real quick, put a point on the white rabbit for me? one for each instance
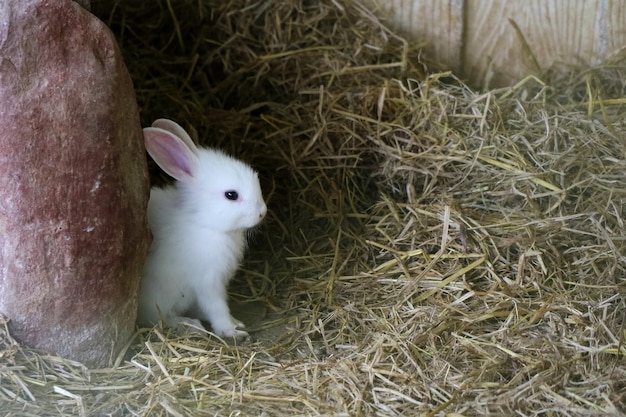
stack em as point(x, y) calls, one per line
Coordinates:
point(199, 227)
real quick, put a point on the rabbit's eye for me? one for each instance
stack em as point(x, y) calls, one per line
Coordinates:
point(231, 195)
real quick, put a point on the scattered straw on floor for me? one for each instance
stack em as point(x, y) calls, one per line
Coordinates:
point(431, 249)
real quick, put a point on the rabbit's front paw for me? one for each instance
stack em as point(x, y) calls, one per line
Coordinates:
point(187, 326)
point(230, 328)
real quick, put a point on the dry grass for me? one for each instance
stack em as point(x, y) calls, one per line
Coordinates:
point(431, 249)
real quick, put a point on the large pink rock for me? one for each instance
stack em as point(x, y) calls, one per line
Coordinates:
point(73, 182)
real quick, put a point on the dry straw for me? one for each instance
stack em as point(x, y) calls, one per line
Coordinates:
point(431, 249)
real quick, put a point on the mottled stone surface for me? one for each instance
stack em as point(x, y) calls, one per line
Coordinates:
point(73, 182)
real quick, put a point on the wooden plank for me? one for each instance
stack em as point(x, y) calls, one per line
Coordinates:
point(610, 29)
point(439, 23)
point(498, 42)
point(508, 40)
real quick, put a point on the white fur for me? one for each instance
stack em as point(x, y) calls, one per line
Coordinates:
point(198, 234)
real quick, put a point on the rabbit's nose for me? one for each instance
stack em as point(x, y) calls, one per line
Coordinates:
point(263, 212)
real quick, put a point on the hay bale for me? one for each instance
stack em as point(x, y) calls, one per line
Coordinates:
point(429, 248)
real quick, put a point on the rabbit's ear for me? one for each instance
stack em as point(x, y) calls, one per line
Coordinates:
point(177, 130)
point(170, 152)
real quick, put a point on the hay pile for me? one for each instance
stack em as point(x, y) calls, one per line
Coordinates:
point(430, 249)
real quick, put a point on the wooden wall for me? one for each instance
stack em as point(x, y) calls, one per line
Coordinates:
point(498, 42)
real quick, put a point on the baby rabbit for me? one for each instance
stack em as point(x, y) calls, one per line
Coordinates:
point(199, 230)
